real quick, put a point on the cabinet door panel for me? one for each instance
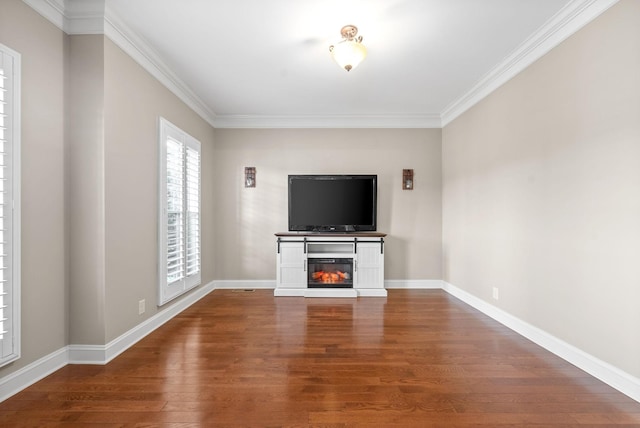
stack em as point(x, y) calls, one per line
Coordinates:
point(368, 277)
point(370, 266)
point(291, 254)
point(292, 265)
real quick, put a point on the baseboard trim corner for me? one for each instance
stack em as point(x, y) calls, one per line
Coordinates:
point(102, 354)
point(32, 373)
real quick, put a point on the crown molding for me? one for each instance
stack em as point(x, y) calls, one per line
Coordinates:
point(76, 17)
point(572, 17)
point(94, 17)
point(72, 16)
point(52, 10)
point(118, 32)
point(327, 121)
point(84, 17)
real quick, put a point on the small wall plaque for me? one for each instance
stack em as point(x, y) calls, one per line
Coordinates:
point(249, 176)
point(407, 179)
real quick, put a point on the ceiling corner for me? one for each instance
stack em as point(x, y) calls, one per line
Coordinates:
point(571, 18)
point(84, 16)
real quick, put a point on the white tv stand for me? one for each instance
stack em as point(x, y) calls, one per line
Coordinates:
point(364, 250)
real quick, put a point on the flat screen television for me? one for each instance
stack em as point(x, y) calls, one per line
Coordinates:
point(333, 203)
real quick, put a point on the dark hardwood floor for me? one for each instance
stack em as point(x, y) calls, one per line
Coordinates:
point(418, 358)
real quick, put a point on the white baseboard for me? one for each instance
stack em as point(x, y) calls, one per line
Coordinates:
point(102, 354)
point(612, 376)
point(429, 284)
point(30, 374)
point(248, 284)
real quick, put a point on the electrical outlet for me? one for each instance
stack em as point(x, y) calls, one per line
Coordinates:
point(496, 293)
point(141, 307)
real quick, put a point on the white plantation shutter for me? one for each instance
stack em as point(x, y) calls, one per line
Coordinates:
point(9, 206)
point(192, 187)
point(175, 197)
point(179, 212)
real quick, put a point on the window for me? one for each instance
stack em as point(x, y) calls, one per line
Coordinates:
point(9, 205)
point(179, 256)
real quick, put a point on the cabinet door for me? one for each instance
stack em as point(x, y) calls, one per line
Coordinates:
point(369, 268)
point(292, 265)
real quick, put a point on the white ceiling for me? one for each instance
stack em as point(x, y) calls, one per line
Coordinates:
point(266, 63)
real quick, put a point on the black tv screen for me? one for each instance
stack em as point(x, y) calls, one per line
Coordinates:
point(333, 203)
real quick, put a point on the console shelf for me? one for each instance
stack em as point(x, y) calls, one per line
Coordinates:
point(361, 253)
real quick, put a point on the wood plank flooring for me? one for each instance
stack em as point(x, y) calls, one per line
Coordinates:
point(418, 358)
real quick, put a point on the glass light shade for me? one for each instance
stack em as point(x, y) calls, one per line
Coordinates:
point(348, 54)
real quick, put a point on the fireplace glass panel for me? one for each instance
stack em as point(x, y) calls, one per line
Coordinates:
point(330, 273)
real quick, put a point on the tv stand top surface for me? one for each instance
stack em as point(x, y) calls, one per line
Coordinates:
point(334, 234)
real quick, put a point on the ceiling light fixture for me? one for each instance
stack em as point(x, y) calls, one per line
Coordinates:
point(350, 51)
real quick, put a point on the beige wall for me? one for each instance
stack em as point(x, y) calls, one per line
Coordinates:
point(134, 101)
point(246, 219)
point(541, 196)
point(44, 308)
point(84, 169)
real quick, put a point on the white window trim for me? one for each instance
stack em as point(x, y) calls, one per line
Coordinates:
point(169, 291)
point(15, 136)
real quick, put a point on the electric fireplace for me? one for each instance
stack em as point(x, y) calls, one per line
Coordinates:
point(330, 273)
